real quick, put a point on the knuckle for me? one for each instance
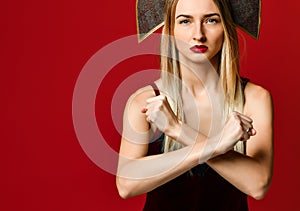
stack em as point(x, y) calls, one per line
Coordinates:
point(236, 117)
point(240, 129)
point(160, 104)
point(153, 116)
point(154, 111)
point(161, 98)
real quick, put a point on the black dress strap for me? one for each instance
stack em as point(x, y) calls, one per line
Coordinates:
point(155, 88)
point(244, 82)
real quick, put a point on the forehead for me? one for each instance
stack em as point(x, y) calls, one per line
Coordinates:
point(196, 7)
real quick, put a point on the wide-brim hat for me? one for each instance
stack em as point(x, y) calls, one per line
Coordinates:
point(246, 15)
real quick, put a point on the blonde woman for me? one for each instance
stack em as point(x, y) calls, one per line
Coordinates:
point(201, 137)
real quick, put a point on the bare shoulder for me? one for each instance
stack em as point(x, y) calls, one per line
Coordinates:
point(139, 97)
point(256, 97)
point(135, 126)
point(135, 104)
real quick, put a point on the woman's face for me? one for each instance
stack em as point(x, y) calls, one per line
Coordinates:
point(198, 30)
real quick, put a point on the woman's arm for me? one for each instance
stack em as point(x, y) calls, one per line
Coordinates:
point(139, 173)
point(252, 174)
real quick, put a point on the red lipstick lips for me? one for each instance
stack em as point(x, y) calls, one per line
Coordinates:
point(199, 48)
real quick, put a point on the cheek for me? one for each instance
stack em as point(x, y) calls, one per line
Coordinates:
point(180, 45)
point(180, 34)
point(219, 39)
point(181, 39)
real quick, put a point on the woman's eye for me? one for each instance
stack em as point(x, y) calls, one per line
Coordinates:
point(184, 22)
point(212, 21)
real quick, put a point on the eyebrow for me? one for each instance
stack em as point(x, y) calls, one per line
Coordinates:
point(205, 16)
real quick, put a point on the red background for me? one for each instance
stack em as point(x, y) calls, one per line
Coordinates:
point(45, 44)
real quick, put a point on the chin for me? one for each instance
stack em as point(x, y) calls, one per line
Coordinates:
point(200, 58)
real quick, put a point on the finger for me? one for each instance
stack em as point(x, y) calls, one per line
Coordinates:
point(148, 112)
point(247, 121)
point(154, 99)
point(148, 108)
point(144, 110)
point(246, 136)
point(249, 130)
point(148, 119)
point(246, 125)
point(244, 117)
point(252, 132)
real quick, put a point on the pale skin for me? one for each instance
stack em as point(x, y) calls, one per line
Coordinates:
point(197, 23)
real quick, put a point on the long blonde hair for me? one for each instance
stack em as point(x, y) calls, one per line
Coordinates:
point(228, 67)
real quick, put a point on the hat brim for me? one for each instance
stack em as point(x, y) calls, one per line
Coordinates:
point(246, 15)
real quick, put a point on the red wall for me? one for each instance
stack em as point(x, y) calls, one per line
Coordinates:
point(43, 47)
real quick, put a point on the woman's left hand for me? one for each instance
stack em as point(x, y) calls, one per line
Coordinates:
point(158, 111)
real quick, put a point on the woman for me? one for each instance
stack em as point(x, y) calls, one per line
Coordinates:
point(215, 141)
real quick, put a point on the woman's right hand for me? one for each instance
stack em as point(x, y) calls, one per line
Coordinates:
point(238, 127)
point(158, 111)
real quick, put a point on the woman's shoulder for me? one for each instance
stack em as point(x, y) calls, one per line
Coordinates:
point(256, 92)
point(140, 96)
point(256, 97)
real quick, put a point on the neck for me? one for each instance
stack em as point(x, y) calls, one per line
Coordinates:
point(199, 76)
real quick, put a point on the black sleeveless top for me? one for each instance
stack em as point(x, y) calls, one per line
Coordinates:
point(201, 190)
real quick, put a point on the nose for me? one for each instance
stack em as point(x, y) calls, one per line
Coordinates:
point(199, 34)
